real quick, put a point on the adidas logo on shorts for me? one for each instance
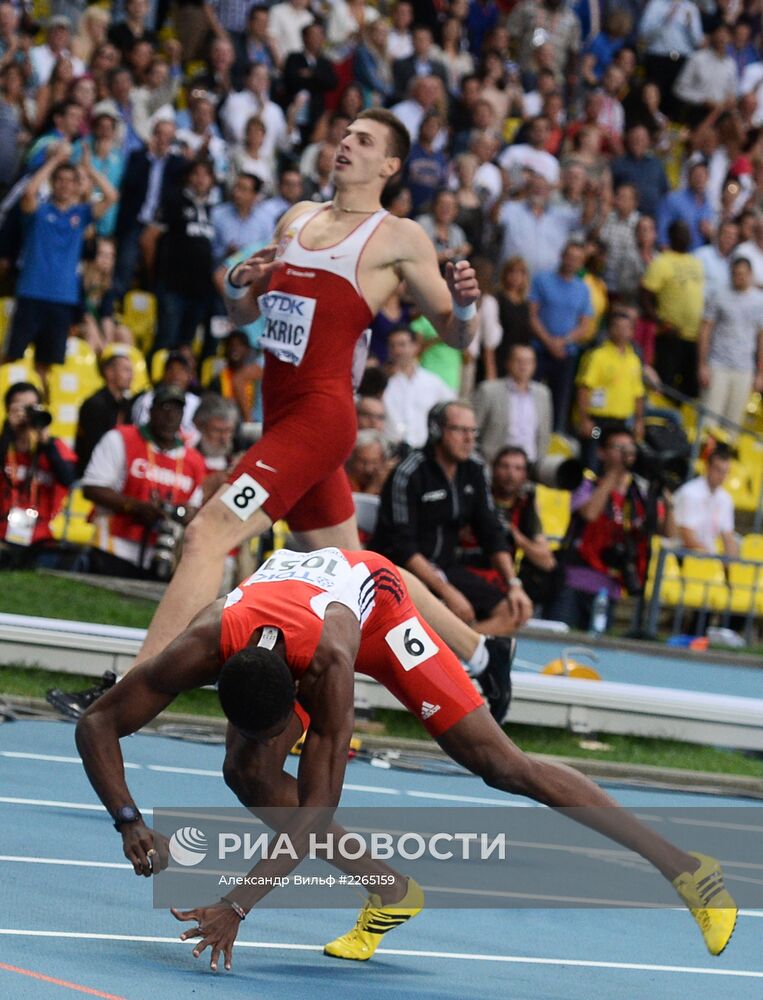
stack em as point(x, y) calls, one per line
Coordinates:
point(428, 710)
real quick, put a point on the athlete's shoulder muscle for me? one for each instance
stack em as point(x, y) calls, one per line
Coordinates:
point(297, 210)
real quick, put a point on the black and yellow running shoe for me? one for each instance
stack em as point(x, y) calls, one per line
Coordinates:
point(373, 922)
point(710, 902)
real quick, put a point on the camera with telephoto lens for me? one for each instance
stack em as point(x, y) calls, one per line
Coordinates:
point(169, 542)
point(38, 417)
point(622, 556)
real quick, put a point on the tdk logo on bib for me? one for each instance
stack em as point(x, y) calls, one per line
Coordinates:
point(288, 322)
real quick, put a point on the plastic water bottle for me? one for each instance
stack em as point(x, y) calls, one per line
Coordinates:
point(599, 613)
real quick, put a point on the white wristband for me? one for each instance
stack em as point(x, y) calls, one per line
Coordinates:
point(234, 291)
point(464, 313)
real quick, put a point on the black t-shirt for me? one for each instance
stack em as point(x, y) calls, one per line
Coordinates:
point(185, 253)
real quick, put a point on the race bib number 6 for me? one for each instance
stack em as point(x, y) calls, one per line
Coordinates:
point(410, 643)
point(244, 496)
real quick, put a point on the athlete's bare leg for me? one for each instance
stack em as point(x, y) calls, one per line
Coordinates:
point(254, 773)
point(480, 745)
point(196, 582)
point(343, 536)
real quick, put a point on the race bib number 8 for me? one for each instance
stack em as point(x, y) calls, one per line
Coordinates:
point(410, 643)
point(244, 496)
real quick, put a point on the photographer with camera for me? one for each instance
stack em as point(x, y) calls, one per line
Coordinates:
point(37, 471)
point(607, 544)
point(147, 484)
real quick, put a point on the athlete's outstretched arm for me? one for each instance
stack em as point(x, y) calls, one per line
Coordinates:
point(248, 279)
point(438, 298)
point(189, 662)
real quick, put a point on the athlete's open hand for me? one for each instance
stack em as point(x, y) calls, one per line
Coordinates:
point(462, 282)
point(255, 271)
point(217, 926)
point(147, 851)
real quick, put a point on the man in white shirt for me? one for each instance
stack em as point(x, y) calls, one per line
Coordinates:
point(709, 76)
point(411, 392)
point(532, 155)
point(57, 46)
point(704, 511)
point(285, 24)
point(425, 93)
point(752, 250)
point(399, 42)
point(715, 258)
point(254, 101)
point(752, 83)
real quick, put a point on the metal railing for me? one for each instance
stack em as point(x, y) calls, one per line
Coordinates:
point(716, 595)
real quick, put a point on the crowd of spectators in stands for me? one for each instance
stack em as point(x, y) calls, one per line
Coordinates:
point(600, 162)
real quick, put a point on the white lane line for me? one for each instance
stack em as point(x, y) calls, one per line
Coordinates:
point(53, 758)
point(471, 798)
point(371, 788)
point(65, 862)
point(50, 803)
point(200, 772)
point(406, 953)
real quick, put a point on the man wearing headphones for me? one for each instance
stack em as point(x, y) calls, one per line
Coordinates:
point(427, 501)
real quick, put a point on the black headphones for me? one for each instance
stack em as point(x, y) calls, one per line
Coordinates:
point(436, 422)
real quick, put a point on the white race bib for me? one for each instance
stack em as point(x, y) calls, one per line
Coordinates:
point(288, 323)
point(325, 568)
point(328, 570)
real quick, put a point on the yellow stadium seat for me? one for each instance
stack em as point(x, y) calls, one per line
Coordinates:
point(750, 451)
point(553, 510)
point(140, 380)
point(739, 484)
point(704, 584)
point(745, 589)
point(510, 128)
point(69, 385)
point(72, 524)
point(7, 305)
point(561, 445)
point(670, 588)
point(139, 316)
point(158, 363)
point(210, 367)
point(751, 547)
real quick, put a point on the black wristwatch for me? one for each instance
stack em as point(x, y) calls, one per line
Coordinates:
point(126, 814)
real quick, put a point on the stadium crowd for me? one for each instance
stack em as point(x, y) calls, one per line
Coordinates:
point(600, 163)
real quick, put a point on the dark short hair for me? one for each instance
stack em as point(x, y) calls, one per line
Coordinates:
point(511, 449)
point(401, 329)
point(256, 181)
point(63, 168)
point(177, 357)
point(256, 689)
point(399, 144)
point(614, 429)
point(741, 260)
point(16, 389)
point(722, 453)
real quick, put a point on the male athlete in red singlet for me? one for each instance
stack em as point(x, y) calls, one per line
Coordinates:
point(297, 630)
point(328, 272)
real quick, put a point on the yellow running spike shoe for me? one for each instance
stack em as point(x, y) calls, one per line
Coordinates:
point(711, 905)
point(373, 922)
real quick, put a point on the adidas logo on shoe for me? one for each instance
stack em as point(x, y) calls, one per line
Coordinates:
point(428, 710)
